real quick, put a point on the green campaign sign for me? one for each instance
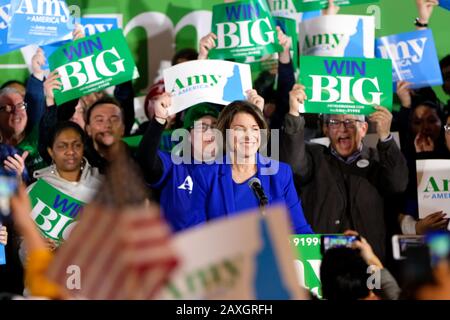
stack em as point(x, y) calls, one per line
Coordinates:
point(345, 85)
point(311, 5)
point(243, 29)
point(92, 64)
point(54, 212)
point(308, 259)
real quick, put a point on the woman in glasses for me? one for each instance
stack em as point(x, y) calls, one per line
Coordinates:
point(245, 180)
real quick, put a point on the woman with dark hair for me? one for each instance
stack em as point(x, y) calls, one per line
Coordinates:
point(422, 135)
point(223, 188)
point(70, 173)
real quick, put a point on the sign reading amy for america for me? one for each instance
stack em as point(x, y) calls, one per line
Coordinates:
point(39, 22)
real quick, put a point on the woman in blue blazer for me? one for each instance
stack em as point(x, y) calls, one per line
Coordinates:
point(223, 190)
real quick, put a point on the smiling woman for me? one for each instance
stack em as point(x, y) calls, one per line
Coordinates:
point(226, 189)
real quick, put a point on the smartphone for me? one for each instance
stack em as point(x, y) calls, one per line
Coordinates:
point(439, 244)
point(8, 187)
point(401, 243)
point(336, 241)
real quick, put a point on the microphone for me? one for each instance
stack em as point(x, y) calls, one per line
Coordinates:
point(255, 185)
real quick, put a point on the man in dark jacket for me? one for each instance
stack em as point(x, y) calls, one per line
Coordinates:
point(343, 187)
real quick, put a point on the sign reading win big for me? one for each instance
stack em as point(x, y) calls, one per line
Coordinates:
point(345, 85)
point(92, 64)
point(243, 29)
point(54, 212)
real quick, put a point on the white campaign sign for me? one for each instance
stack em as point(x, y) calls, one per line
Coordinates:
point(433, 186)
point(338, 36)
point(219, 260)
point(214, 81)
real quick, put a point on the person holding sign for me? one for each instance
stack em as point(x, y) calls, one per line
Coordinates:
point(245, 179)
point(344, 186)
point(70, 176)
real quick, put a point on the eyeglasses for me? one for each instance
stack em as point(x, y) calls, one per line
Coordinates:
point(447, 128)
point(203, 127)
point(348, 123)
point(10, 109)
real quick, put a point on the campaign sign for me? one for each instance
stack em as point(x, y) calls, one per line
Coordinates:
point(308, 259)
point(243, 257)
point(286, 9)
point(5, 17)
point(214, 81)
point(54, 212)
point(414, 58)
point(345, 85)
point(243, 29)
point(92, 64)
point(2, 254)
point(309, 5)
point(433, 187)
point(91, 26)
point(444, 4)
point(39, 22)
point(338, 36)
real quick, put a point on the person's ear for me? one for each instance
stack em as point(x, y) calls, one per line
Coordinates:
point(325, 129)
point(364, 127)
point(50, 152)
point(88, 130)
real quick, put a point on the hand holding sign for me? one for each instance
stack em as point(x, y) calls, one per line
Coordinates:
point(296, 98)
point(207, 43)
point(50, 84)
point(37, 62)
point(383, 118)
point(425, 9)
point(331, 9)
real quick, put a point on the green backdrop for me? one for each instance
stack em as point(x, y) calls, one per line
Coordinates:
point(163, 16)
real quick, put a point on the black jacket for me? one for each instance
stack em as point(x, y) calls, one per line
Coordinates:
point(337, 196)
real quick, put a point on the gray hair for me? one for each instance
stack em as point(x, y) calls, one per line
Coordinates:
point(326, 117)
point(8, 90)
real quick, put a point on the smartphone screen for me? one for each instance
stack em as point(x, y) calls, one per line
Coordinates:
point(337, 241)
point(439, 245)
point(402, 243)
point(8, 187)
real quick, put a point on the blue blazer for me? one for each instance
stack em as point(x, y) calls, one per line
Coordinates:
point(213, 195)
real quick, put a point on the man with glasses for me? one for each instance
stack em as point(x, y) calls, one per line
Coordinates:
point(343, 186)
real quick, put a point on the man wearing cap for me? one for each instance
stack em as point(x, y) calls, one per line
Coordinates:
point(173, 179)
point(345, 185)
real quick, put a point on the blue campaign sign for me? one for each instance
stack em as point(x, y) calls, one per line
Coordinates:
point(414, 57)
point(39, 22)
point(2, 254)
point(5, 8)
point(91, 25)
point(444, 4)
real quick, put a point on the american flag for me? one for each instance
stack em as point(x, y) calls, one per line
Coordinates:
point(121, 246)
